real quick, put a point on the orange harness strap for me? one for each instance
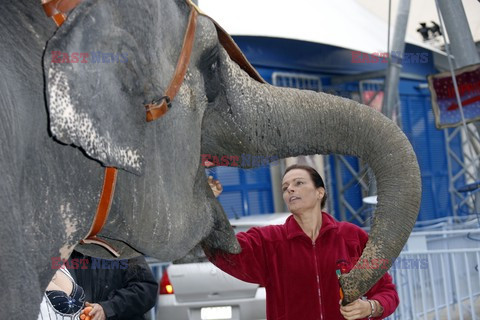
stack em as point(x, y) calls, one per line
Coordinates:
point(57, 9)
point(103, 210)
point(156, 109)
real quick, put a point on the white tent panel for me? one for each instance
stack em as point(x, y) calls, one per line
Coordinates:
point(343, 23)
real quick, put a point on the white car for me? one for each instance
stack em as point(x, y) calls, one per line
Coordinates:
point(201, 291)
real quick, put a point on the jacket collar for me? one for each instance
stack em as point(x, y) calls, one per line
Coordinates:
point(294, 229)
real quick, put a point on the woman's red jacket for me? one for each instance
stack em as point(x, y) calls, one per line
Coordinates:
point(299, 275)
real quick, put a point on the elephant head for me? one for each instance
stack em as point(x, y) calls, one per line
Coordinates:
point(163, 206)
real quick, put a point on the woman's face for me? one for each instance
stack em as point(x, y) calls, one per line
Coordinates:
point(299, 192)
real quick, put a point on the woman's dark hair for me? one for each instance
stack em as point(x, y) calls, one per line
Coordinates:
point(314, 175)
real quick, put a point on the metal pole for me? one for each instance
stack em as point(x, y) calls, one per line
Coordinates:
point(395, 59)
point(459, 34)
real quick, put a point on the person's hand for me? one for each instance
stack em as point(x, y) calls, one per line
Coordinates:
point(215, 185)
point(357, 309)
point(96, 313)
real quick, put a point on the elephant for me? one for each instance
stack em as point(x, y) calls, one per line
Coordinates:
point(65, 120)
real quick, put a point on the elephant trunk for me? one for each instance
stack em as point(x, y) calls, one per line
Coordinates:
point(270, 121)
point(316, 123)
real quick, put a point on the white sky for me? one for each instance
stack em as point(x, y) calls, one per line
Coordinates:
point(354, 24)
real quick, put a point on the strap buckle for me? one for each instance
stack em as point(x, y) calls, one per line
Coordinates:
point(159, 101)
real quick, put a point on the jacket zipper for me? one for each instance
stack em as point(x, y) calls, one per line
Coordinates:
point(318, 281)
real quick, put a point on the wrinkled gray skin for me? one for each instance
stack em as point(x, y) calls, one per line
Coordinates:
point(62, 122)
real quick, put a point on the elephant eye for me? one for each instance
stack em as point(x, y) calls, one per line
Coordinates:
point(210, 73)
point(213, 67)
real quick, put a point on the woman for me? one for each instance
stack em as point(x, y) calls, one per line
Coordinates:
point(297, 261)
point(63, 298)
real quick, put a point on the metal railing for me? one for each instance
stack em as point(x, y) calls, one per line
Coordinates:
point(438, 284)
point(442, 280)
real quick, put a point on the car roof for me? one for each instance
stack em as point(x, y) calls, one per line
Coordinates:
point(259, 220)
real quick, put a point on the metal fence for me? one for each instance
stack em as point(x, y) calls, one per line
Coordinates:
point(438, 284)
point(437, 275)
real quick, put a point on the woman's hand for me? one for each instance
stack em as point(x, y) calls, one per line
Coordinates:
point(93, 311)
point(357, 309)
point(215, 185)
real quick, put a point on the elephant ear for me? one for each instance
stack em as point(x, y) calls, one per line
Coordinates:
point(92, 69)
